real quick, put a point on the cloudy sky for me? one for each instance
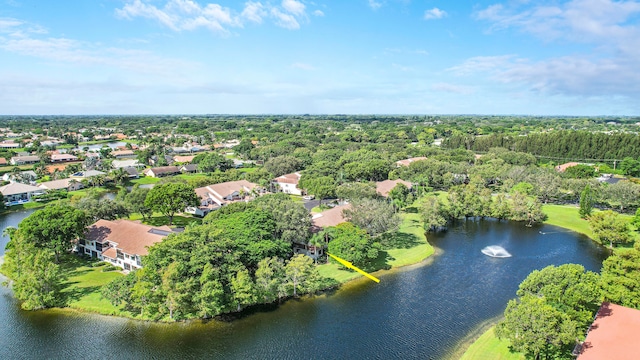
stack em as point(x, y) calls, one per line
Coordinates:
point(555, 57)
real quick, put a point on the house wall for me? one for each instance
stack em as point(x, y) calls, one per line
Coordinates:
point(127, 262)
point(289, 188)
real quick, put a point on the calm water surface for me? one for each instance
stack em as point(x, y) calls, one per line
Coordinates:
point(417, 312)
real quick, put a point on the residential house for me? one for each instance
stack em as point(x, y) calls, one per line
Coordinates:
point(23, 160)
point(9, 145)
point(63, 158)
point(384, 187)
point(184, 159)
point(123, 154)
point(407, 162)
point(215, 196)
point(189, 168)
point(86, 174)
point(3, 161)
point(612, 335)
point(132, 172)
point(121, 242)
point(162, 171)
point(564, 167)
point(17, 193)
point(331, 217)
point(288, 183)
point(62, 184)
point(121, 164)
point(24, 177)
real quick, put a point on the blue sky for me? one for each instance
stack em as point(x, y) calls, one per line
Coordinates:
point(578, 57)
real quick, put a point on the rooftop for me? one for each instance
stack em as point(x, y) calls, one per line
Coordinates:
point(613, 334)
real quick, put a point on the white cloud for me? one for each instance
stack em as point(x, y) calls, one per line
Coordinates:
point(608, 66)
point(434, 13)
point(254, 11)
point(86, 54)
point(375, 5)
point(401, 67)
point(179, 15)
point(294, 7)
point(303, 66)
point(285, 20)
point(480, 64)
point(452, 88)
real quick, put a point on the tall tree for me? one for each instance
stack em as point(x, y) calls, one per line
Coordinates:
point(586, 202)
point(135, 201)
point(433, 213)
point(243, 289)
point(609, 227)
point(171, 198)
point(301, 274)
point(374, 216)
point(354, 245)
point(210, 298)
point(55, 227)
point(283, 164)
point(621, 276)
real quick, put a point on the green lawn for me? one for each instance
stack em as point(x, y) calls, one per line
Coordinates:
point(488, 346)
point(82, 291)
point(405, 247)
point(145, 180)
point(567, 216)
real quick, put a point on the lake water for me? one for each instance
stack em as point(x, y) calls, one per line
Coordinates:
point(415, 312)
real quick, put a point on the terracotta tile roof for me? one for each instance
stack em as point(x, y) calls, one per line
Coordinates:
point(384, 187)
point(122, 153)
point(331, 217)
point(564, 167)
point(293, 178)
point(52, 168)
point(183, 158)
point(55, 184)
point(218, 192)
point(613, 334)
point(131, 237)
point(111, 253)
point(406, 162)
point(63, 157)
point(3, 161)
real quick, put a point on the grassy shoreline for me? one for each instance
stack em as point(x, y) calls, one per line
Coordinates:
point(487, 345)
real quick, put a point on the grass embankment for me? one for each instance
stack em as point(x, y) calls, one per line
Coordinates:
point(406, 246)
point(488, 346)
point(82, 288)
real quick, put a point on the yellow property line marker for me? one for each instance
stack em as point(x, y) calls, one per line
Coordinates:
point(351, 266)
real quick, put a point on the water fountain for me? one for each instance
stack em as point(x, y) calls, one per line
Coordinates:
point(496, 251)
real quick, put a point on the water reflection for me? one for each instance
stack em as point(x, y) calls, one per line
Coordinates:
point(417, 312)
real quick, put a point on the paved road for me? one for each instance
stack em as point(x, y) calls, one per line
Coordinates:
point(310, 204)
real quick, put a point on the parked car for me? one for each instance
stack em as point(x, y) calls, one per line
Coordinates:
point(308, 197)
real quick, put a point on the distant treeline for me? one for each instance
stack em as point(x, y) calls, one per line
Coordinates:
point(558, 144)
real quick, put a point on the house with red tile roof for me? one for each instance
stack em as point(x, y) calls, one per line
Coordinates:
point(565, 166)
point(121, 242)
point(214, 196)
point(331, 217)
point(384, 187)
point(612, 335)
point(288, 183)
point(407, 162)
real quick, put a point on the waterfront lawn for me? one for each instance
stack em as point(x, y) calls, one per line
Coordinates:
point(406, 246)
point(488, 346)
point(145, 180)
point(568, 217)
point(82, 287)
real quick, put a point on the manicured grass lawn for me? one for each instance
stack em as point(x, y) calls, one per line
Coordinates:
point(406, 246)
point(145, 180)
point(488, 346)
point(567, 216)
point(83, 285)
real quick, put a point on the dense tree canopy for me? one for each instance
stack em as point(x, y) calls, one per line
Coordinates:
point(171, 198)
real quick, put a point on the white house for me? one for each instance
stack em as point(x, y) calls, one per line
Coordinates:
point(288, 183)
point(22, 160)
point(120, 242)
point(63, 157)
point(214, 196)
point(17, 193)
point(62, 184)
